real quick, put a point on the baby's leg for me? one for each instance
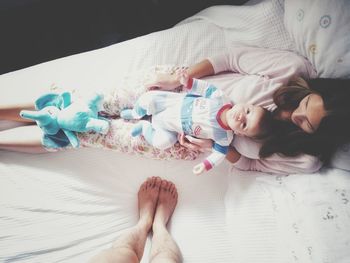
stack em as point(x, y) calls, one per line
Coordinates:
point(159, 138)
point(119, 139)
point(134, 114)
point(164, 139)
point(149, 103)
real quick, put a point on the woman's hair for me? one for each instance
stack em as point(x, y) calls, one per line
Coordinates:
point(334, 128)
point(265, 126)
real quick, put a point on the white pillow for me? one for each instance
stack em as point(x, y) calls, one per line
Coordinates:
point(341, 159)
point(321, 31)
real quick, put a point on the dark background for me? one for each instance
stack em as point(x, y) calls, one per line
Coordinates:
point(35, 31)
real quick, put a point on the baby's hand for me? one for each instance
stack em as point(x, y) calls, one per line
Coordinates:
point(199, 169)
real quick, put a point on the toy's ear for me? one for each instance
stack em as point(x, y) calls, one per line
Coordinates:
point(49, 99)
point(72, 138)
point(95, 101)
point(66, 99)
point(58, 140)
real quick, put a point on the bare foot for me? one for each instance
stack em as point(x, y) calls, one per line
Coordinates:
point(147, 199)
point(167, 201)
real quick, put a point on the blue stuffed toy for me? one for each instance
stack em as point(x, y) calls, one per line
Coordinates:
point(59, 118)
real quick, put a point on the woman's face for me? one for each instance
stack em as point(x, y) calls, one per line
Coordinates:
point(309, 113)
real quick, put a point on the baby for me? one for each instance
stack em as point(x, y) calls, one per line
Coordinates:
point(204, 112)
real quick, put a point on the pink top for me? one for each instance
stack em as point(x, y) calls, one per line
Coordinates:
point(252, 75)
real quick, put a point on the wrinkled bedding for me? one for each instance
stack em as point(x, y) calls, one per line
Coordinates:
point(67, 206)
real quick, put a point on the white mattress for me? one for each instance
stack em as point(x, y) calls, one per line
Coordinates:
point(67, 206)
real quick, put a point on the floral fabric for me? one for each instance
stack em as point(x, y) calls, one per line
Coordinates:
point(119, 136)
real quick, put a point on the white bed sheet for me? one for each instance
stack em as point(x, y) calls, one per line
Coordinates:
point(66, 206)
point(297, 218)
point(53, 210)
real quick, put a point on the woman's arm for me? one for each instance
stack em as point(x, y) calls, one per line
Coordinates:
point(276, 65)
point(275, 164)
point(201, 69)
point(272, 64)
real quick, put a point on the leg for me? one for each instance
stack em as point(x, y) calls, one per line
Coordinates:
point(11, 112)
point(149, 103)
point(129, 246)
point(159, 138)
point(118, 138)
point(141, 108)
point(133, 114)
point(164, 248)
point(22, 139)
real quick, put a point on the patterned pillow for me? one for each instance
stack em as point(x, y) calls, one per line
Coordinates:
point(321, 32)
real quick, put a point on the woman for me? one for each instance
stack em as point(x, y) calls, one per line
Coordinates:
point(310, 125)
point(311, 115)
point(157, 199)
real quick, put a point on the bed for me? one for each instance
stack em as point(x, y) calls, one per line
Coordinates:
point(67, 206)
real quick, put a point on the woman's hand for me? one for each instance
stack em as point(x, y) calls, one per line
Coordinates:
point(233, 155)
point(170, 81)
point(195, 144)
point(163, 81)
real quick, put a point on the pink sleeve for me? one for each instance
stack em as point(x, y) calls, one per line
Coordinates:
point(280, 165)
point(250, 161)
point(279, 66)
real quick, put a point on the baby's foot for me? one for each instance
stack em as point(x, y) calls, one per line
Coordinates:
point(133, 114)
point(127, 114)
point(147, 200)
point(145, 128)
point(137, 129)
point(167, 201)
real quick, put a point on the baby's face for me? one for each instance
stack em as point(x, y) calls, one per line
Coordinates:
point(244, 119)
